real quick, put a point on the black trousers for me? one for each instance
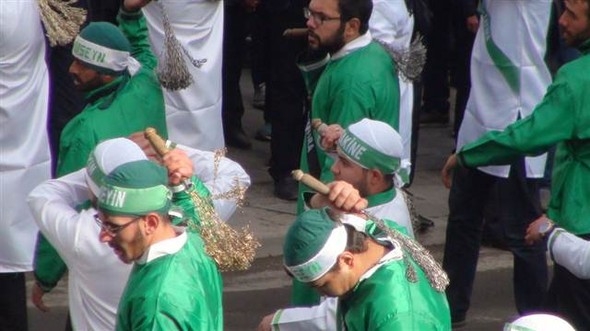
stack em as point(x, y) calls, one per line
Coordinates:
point(236, 25)
point(517, 204)
point(13, 302)
point(285, 90)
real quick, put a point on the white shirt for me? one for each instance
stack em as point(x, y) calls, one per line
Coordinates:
point(518, 28)
point(193, 115)
point(24, 146)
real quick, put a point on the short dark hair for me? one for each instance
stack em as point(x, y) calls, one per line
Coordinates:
point(360, 9)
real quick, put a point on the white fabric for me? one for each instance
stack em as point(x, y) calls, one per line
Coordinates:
point(96, 275)
point(105, 160)
point(319, 264)
point(218, 179)
point(165, 247)
point(352, 46)
point(571, 252)
point(395, 210)
point(391, 23)
point(323, 316)
point(379, 135)
point(519, 28)
point(193, 115)
point(539, 322)
point(24, 146)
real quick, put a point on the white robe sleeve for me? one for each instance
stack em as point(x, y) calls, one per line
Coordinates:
point(53, 204)
point(317, 318)
point(571, 252)
point(218, 179)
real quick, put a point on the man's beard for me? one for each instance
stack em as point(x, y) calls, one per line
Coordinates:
point(334, 43)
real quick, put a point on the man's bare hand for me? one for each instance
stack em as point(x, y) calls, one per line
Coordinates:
point(447, 171)
point(179, 166)
point(134, 5)
point(330, 135)
point(145, 145)
point(345, 197)
point(265, 323)
point(472, 23)
point(533, 235)
point(37, 298)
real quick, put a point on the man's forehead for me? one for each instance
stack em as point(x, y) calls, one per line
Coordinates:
point(324, 6)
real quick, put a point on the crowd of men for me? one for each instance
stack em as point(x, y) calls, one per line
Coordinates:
point(126, 218)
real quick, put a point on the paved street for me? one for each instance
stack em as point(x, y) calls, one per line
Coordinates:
point(252, 294)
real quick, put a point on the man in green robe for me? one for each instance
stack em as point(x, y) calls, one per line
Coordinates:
point(174, 284)
point(358, 79)
point(114, 67)
point(562, 118)
point(346, 256)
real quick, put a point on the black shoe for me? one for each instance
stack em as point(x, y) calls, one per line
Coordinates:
point(457, 325)
point(237, 138)
point(286, 188)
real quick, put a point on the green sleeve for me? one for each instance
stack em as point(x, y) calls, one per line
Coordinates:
point(75, 158)
point(49, 268)
point(134, 27)
point(183, 200)
point(552, 121)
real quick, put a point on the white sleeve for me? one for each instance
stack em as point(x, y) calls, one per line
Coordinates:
point(391, 23)
point(317, 318)
point(53, 204)
point(219, 179)
point(571, 252)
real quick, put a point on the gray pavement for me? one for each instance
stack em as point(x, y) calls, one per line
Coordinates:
point(251, 294)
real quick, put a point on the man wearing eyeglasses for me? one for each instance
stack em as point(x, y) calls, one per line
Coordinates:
point(96, 275)
point(359, 78)
point(174, 284)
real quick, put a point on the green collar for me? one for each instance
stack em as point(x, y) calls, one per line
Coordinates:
point(105, 90)
point(381, 198)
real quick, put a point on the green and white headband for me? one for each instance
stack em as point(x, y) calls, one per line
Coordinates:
point(99, 56)
point(324, 260)
point(365, 155)
point(117, 200)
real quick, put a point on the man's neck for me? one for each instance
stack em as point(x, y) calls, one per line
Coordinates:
point(372, 256)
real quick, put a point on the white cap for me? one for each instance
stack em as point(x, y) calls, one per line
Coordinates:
point(539, 322)
point(107, 156)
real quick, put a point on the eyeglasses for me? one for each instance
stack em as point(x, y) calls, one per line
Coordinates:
point(318, 18)
point(113, 229)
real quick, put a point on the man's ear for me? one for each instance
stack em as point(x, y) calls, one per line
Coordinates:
point(346, 259)
point(151, 223)
point(375, 176)
point(352, 28)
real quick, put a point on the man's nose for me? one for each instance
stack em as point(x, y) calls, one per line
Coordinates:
point(104, 236)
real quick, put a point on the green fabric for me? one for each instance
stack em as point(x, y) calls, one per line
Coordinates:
point(509, 71)
point(307, 236)
point(134, 103)
point(104, 34)
point(365, 155)
point(387, 301)
point(362, 84)
point(562, 118)
point(118, 109)
point(304, 295)
point(183, 200)
point(136, 188)
point(181, 291)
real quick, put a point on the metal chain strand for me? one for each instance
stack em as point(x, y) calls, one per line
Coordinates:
point(436, 275)
point(409, 62)
point(61, 20)
point(231, 249)
point(172, 70)
point(414, 219)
